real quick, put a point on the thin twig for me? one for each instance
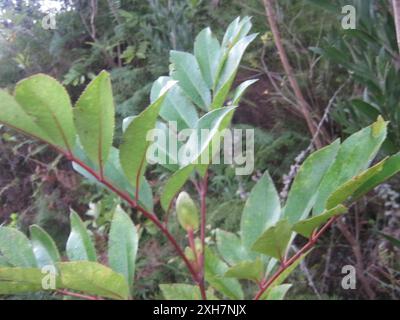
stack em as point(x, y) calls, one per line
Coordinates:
point(77, 295)
point(266, 283)
point(306, 271)
point(303, 105)
point(203, 213)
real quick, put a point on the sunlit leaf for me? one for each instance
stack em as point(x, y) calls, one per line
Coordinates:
point(93, 278)
point(48, 103)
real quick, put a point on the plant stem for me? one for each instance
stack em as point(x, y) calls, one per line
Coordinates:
point(151, 216)
point(265, 284)
point(304, 107)
point(77, 295)
point(203, 213)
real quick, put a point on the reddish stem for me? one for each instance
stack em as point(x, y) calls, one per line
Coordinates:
point(203, 212)
point(151, 216)
point(78, 295)
point(265, 284)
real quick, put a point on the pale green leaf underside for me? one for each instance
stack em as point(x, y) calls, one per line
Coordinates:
point(207, 51)
point(79, 245)
point(176, 106)
point(187, 73)
point(44, 247)
point(123, 245)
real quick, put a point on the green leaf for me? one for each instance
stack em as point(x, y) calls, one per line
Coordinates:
point(230, 247)
point(134, 144)
point(207, 51)
point(187, 72)
point(306, 227)
point(302, 194)
point(229, 70)
point(214, 275)
point(354, 155)
point(176, 106)
point(274, 241)
point(247, 270)
point(174, 184)
point(93, 278)
point(79, 245)
point(276, 292)
point(48, 103)
point(94, 119)
point(347, 189)
point(181, 291)
point(114, 174)
point(240, 90)
point(12, 115)
point(391, 166)
point(44, 247)
point(123, 245)
point(198, 148)
point(236, 30)
point(262, 210)
point(20, 280)
point(165, 136)
point(16, 248)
